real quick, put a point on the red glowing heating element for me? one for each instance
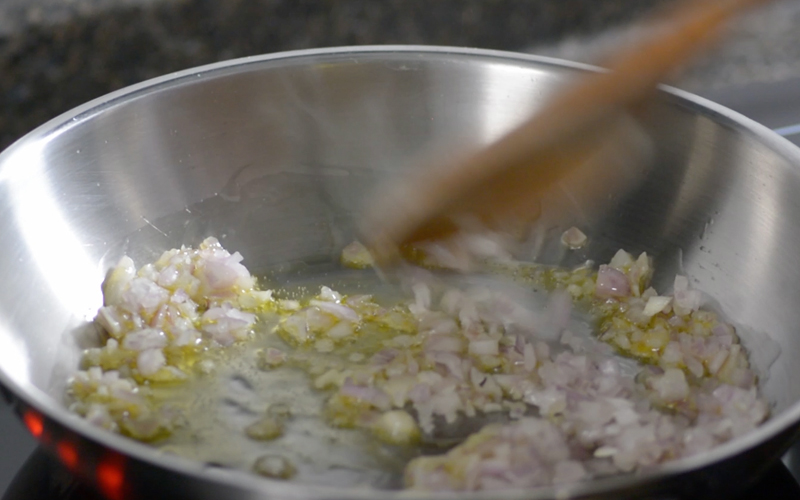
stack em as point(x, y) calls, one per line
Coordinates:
point(111, 477)
point(34, 423)
point(68, 454)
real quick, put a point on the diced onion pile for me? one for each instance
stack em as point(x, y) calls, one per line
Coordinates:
point(448, 352)
point(158, 322)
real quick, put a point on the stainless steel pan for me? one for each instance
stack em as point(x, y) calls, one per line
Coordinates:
point(274, 154)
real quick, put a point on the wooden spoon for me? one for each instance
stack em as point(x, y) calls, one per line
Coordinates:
point(503, 183)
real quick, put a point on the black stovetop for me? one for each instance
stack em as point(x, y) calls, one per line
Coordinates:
point(42, 477)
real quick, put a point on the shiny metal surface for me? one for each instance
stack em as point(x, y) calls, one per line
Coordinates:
point(274, 155)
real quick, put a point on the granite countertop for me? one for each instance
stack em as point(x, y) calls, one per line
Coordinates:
point(762, 47)
point(57, 54)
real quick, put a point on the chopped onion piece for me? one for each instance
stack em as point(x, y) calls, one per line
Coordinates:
point(338, 310)
point(150, 361)
point(573, 238)
point(621, 260)
point(656, 304)
point(484, 347)
point(142, 340)
point(326, 293)
point(396, 427)
point(671, 386)
point(342, 329)
point(356, 255)
point(611, 283)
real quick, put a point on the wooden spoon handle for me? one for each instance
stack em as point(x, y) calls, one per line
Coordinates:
point(506, 178)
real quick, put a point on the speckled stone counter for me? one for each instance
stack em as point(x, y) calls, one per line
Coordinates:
point(763, 46)
point(57, 54)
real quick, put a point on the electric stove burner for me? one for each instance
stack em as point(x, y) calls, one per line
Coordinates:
point(44, 478)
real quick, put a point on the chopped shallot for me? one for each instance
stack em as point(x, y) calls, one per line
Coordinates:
point(401, 371)
point(612, 283)
point(573, 238)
